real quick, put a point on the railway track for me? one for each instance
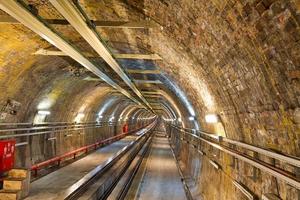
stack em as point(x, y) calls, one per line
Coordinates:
point(129, 174)
point(100, 183)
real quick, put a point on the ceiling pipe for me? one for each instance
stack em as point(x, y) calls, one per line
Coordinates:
point(76, 18)
point(20, 12)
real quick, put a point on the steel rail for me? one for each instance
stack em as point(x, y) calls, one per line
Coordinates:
point(20, 11)
point(122, 194)
point(76, 19)
point(285, 158)
point(278, 173)
point(80, 186)
point(130, 160)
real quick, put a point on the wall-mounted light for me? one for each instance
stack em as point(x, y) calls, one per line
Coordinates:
point(44, 112)
point(191, 118)
point(212, 118)
point(79, 117)
point(112, 118)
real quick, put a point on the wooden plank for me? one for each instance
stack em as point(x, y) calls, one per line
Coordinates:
point(143, 24)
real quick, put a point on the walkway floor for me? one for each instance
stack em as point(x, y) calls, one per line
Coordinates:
point(49, 186)
point(161, 179)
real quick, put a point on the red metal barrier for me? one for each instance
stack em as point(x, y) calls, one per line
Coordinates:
point(73, 153)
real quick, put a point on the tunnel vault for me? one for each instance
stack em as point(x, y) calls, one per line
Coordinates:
point(184, 61)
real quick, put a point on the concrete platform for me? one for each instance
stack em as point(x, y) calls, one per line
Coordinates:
point(161, 180)
point(49, 187)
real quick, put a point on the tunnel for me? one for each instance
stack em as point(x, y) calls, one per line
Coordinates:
point(150, 99)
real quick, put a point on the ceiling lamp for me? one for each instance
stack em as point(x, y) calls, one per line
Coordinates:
point(212, 118)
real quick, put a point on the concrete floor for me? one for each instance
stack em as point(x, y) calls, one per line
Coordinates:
point(161, 179)
point(49, 187)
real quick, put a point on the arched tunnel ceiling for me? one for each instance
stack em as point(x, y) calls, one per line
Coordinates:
point(235, 62)
point(50, 92)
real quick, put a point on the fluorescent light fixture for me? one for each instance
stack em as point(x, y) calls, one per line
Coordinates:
point(44, 112)
point(212, 118)
point(191, 118)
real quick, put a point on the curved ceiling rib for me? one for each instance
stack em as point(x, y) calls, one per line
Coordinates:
point(21, 13)
point(75, 18)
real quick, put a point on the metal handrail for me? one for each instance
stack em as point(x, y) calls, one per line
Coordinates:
point(276, 172)
point(30, 131)
point(282, 157)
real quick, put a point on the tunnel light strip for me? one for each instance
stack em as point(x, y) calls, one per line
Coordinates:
point(22, 14)
point(69, 11)
point(191, 118)
point(21, 144)
point(211, 118)
point(52, 138)
point(44, 112)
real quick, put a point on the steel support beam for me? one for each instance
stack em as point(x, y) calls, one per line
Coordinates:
point(138, 56)
point(143, 24)
point(147, 81)
point(45, 52)
point(75, 18)
point(143, 71)
point(157, 92)
point(23, 15)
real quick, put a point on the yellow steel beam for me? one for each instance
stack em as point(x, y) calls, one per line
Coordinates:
point(45, 52)
point(142, 24)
